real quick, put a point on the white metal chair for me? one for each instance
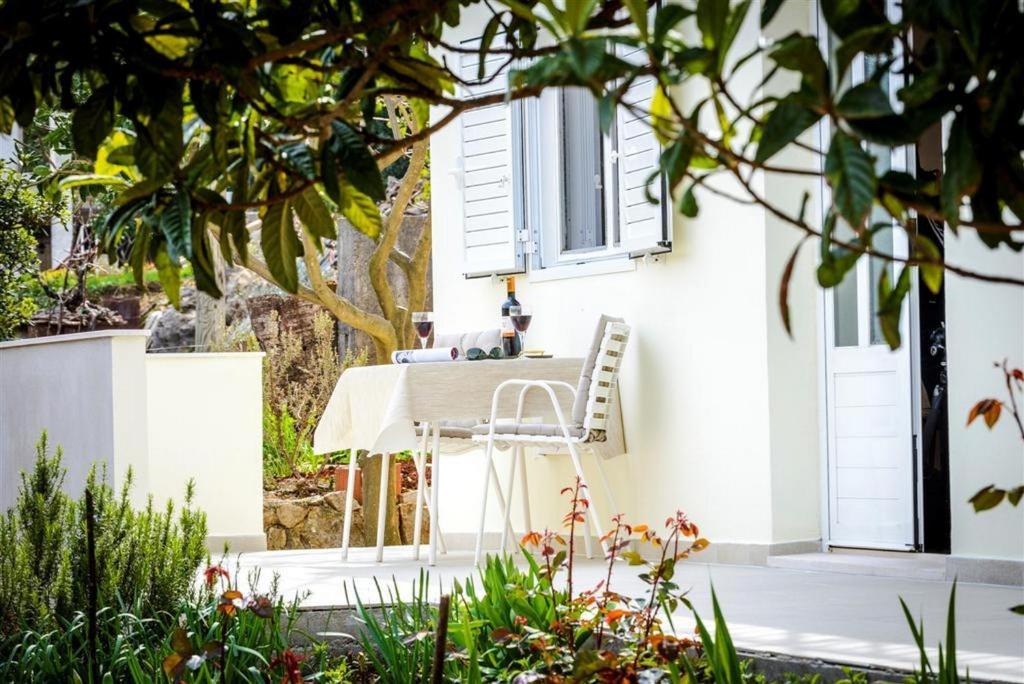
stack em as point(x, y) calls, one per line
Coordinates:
point(450, 436)
point(592, 399)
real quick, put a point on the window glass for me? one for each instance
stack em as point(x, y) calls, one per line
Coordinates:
point(582, 172)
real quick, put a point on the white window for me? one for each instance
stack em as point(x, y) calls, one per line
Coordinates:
point(541, 179)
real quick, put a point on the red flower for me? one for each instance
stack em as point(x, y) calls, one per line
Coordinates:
point(291, 664)
point(212, 572)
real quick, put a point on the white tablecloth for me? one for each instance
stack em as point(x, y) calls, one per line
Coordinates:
point(376, 407)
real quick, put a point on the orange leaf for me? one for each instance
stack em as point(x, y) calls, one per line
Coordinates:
point(700, 544)
point(174, 665)
point(640, 528)
point(988, 408)
point(615, 615)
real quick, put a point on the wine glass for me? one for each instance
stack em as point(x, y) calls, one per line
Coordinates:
point(423, 321)
point(521, 317)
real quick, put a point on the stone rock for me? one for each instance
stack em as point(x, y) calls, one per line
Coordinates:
point(314, 522)
point(407, 514)
point(276, 538)
point(322, 528)
point(291, 513)
point(336, 500)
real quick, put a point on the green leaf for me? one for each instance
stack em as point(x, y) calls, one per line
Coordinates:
point(871, 40)
point(768, 11)
point(314, 214)
point(159, 142)
point(931, 273)
point(987, 497)
point(835, 262)
point(176, 225)
point(281, 246)
point(845, 17)
point(962, 170)
point(86, 179)
point(490, 31)
point(1018, 609)
point(784, 124)
point(355, 161)
point(890, 305)
point(169, 272)
point(864, 101)
point(688, 203)
point(851, 174)
point(360, 210)
point(712, 16)
point(667, 18)
point(92, 122)
point(638, 13)
point(577, 12)
point(1015, 495)
point(800, 53)
point(297, 155)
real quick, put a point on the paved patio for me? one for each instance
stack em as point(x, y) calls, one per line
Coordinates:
point(842, 618)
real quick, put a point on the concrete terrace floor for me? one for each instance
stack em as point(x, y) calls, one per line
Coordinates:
point(840, 618)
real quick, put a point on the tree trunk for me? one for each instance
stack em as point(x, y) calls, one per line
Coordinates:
point(371, 470)
point(211, 314)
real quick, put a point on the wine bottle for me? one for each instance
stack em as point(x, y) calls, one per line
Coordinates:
point(509, 339)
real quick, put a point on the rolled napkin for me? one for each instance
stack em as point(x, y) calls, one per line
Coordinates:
point(425, 355)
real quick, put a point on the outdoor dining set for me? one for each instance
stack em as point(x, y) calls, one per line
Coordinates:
point(553, 406)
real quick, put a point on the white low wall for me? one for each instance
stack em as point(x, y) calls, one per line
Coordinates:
point(88, 392)
point(170, 418)
point(205, 424)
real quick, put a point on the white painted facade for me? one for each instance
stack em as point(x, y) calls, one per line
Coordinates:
point(725, 414)
point(168, 417)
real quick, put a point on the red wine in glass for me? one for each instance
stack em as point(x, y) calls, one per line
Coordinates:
point(521, 323)
point(423, 322)
point(520, 317)
point(424, 329)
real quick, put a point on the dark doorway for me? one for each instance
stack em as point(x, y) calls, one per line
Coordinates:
point(935, 416)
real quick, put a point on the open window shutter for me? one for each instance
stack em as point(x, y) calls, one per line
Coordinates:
point(491, 160)
point(643, 226)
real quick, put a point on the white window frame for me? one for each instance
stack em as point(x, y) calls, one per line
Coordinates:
point(543, 135)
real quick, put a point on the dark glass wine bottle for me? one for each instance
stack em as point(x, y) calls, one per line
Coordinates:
point(509, 339)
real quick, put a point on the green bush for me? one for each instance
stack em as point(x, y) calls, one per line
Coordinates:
point(206, 638)
point(148, 558)
point(24, 217)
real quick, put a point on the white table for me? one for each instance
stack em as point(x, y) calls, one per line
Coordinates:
point(376, 408)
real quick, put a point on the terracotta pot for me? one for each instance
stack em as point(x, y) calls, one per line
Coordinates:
point(341, 481)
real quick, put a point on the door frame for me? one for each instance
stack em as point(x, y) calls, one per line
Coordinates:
point(824, 136)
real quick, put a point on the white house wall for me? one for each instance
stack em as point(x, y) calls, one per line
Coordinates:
point(985, 324)
point(719, 407)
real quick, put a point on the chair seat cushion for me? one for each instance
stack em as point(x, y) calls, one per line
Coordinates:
point(453, 429)
point(528, 429)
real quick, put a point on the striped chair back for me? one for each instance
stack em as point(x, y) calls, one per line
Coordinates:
point(604, 378)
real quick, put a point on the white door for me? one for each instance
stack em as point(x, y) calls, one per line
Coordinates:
point(869, 400)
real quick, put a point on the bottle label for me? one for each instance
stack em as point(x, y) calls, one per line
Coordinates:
point(506, 327)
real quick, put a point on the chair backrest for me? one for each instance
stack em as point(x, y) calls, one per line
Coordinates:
point(599, 374)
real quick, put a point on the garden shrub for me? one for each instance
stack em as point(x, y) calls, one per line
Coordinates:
point(24, 217)
point(147, 557)
point(297, 384)
point(218, 634)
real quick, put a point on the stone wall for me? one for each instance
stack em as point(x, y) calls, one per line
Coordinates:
point(315, 522)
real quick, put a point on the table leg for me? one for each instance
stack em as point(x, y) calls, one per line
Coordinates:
point(382, 504)
point(435, 478)
point(349, 496)
point(420, 461)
